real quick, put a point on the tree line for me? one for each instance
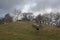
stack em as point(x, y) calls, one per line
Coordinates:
point(52, 18)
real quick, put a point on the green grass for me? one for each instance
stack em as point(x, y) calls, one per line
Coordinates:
point(25, 31)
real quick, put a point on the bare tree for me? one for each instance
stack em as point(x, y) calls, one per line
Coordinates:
point(38, 18)
point(8, 18)
point(27, 16)
point(17, 14)
point(1, 20)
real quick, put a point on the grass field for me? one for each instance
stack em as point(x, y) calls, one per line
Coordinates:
point(25, 31)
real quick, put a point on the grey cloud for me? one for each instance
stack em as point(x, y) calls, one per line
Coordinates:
point(46, 4)
point(41, 4)
point(9, 3)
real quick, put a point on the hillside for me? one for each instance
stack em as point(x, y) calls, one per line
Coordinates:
point(25, 31)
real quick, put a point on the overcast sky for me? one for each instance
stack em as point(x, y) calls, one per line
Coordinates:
point(29, 6)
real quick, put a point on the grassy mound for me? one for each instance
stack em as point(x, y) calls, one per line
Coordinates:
point(25, 31)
